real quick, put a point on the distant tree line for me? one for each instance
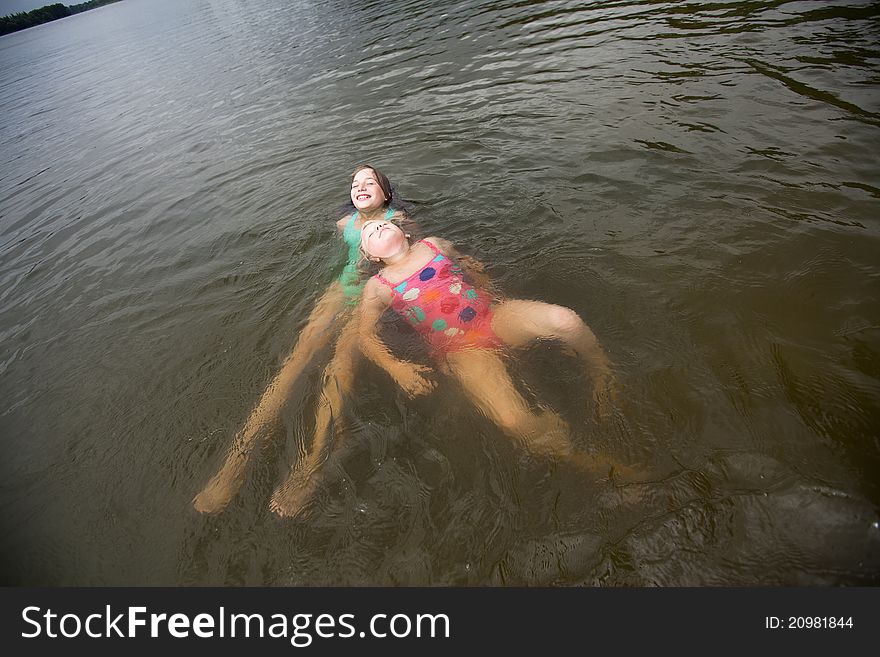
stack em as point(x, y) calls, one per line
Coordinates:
point(25, 19)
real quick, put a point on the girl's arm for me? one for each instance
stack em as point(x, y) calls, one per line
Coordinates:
point(340, 224)
point(409, 376)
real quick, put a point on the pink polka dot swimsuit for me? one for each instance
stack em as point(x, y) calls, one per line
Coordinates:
point(450, 313)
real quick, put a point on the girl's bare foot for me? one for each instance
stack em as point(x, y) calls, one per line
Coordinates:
point(294, 495)
point(214, 497)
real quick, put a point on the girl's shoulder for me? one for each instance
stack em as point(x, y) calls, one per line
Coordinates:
point(377, 289)
point(441, 244)
point(344, 220)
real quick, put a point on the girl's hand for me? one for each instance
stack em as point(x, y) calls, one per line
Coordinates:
point(411, 378)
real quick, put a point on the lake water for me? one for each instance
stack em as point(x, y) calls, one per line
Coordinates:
point(699, 181)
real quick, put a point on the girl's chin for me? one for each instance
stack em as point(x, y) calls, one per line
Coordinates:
point(387, 252)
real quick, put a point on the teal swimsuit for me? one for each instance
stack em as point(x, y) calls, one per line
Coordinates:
point(350, 279)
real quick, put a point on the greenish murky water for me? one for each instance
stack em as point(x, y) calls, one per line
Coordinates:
point(699, 181)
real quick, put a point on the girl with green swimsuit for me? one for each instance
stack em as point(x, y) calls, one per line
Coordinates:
point(371, 196)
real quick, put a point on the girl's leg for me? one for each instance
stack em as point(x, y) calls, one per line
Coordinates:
point(296, 491)
point(519, 322)
point(488, 384)
point(486, 381)
point(225, 484)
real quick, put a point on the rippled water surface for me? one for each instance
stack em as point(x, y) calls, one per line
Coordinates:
point(699, 181)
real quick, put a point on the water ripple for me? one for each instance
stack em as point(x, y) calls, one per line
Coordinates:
point(697, 180)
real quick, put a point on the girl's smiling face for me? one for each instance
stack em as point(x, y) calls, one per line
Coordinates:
point(366, 192)
point(382, 239)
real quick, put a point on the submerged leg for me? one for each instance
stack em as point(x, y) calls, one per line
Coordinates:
point(519, 322)
point(294, 494)
point(224, 485)
point(487, 382)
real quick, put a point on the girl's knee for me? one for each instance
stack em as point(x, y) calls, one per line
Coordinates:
point(340, 377)
point(512, 423)
point(518, 422)
point(562, 320)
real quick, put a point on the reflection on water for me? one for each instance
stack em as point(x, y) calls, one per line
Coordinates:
point(697, 180)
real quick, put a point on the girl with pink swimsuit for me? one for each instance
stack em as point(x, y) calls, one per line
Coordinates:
point(466, 331)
